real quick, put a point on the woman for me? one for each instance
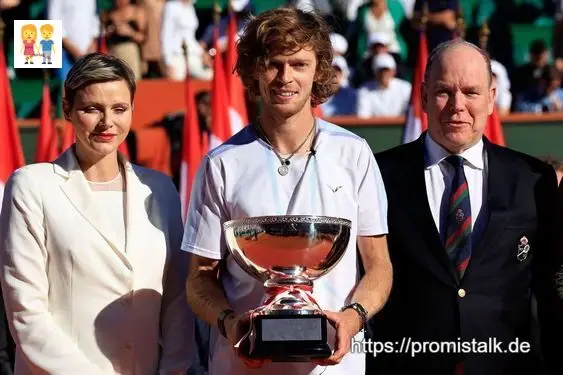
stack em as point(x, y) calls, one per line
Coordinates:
point(92, 272)
point(29, 46)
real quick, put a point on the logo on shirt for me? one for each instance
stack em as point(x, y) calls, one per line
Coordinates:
point(335, 188)
point(38, 44)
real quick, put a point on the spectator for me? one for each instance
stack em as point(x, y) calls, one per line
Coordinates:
point(441, 22)
point(340, 48)
point(345, 101)
point(374, 17)
point(504, 96)
point(81, 29)
point(378, 43)
point(179, 24)
point(335, 12)
point(386, 95)
point(527, 76)
point(339, 44)
point(350, 7)
point(151, 50)
point(126, 26)
point(545, 96)
point(558, 36)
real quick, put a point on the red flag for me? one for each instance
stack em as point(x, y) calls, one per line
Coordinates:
point(416, 118)
point(103, 47)
point(47, 147)
point(191, 147)
point(68, 137)
point(11, 153)
point(493, 129)
point(102, 44)
point(220, 124)
point(124, 149)
point(238, 114)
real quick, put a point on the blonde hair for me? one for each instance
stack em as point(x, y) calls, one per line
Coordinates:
point(282, 31)
point(47, 27)
point(30, 27)
point(95, 68)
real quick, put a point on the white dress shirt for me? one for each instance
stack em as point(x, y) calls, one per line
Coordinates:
point(439, 175)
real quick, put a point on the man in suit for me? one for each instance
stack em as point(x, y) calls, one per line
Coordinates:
point(470, 237)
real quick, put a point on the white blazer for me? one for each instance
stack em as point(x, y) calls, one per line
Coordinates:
point(77, 303)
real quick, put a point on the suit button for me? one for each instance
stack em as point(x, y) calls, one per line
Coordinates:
point(461, 292)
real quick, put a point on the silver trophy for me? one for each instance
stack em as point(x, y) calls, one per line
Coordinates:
point(287, 253)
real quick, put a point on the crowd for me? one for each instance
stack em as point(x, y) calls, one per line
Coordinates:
point(375, 43)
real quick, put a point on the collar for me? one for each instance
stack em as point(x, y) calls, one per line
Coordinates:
point(67, 164)
point(434, 153)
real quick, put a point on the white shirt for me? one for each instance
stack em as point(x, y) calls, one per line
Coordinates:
point(504, 96)
point(374, 100)
point(408, 7)
point(111, 204)
point(439, 175)
point(239, 179)
point(80, 20)
point(179, 23)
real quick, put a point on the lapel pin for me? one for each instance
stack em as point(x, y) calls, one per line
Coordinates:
point(523, 249)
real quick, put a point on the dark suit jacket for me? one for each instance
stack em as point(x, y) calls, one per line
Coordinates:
point(7, 346)
point(428, 302)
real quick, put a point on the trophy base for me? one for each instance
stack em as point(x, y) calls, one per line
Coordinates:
point(290, 338)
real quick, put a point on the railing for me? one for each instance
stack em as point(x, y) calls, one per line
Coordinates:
point(514, 118)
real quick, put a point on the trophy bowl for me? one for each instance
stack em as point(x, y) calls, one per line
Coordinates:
point(287, 253)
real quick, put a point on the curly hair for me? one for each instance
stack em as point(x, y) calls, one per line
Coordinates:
point(286, 30)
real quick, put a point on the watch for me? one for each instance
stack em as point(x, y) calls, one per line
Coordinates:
point(221, 321)
point(359, 309)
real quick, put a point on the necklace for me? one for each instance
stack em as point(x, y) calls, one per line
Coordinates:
point(283, 169)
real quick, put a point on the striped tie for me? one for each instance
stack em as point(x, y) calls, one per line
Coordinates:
point(458, 238)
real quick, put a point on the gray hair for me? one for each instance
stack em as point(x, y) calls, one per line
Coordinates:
point(445, 46)
point(96, 68)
